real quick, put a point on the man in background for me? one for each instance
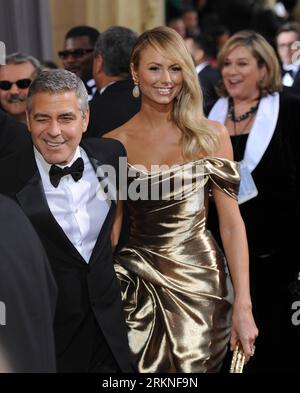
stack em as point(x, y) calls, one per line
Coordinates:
point(288, 45)
point(113, 103)
point(15, 78)
point(77, 55)
point(208, 76)
point(27, 296)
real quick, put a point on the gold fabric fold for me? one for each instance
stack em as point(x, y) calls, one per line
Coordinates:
point(175, 284)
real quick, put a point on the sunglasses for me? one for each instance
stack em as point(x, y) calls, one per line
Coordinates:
point(76, 53)
point(21, 83)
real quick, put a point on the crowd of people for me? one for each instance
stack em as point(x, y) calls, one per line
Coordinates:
point(151, 198)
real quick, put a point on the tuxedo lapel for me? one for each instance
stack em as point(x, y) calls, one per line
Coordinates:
point(297, 78)
point(104, 234)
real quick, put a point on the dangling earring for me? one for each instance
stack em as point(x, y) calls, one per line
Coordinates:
point(136, 91)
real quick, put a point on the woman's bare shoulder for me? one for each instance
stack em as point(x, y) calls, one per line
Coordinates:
point(224, 148)
point(122, 133)
point(219, 127)
point(117, 133)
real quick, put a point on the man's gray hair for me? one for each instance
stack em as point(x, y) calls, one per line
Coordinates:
point(59, 81)
point(115, 45)
point(21, 58)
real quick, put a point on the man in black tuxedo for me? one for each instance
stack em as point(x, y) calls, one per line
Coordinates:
point(207, 75)
point(113, 104)
point(55, 182)
point(287, 42)
point(27, 296)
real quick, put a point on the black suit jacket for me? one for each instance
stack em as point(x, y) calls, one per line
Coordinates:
point(271, 219)
point(13, 135)
point(28, 290)
point(209, 78)
point(85, 290)
point(114, 107)
point(271, 216)
point(295, 88)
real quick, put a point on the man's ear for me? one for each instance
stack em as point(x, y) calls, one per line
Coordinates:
point(97, 65)
point(199, 55)
point(28, 121)
point(85, 120)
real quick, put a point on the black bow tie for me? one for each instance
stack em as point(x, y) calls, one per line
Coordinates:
point(75, 170)
point(291, 72)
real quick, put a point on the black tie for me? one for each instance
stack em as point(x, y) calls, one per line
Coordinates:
point(289, 72)
point(75, 170)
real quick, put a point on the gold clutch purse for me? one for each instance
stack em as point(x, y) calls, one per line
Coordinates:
point(238, 360)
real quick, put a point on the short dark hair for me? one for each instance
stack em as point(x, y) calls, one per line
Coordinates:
point(187, 9)
point(289, 26)
point(21, 58)
point(59, 81)
point(79, 31)
point(201, 42)
point(115, 45)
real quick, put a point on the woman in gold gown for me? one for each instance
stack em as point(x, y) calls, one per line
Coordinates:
point(180, 307)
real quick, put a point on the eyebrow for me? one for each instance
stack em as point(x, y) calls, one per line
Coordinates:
point(40, 114)
point(72, 114)
point(239, 58)
point(159, 64)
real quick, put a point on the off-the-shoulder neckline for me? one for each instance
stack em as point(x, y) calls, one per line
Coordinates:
point(179, 165)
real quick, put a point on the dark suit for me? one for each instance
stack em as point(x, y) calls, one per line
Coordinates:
point(295, 88)
point(13, 135)
point(28, 290)
point(209, 78)
point(114, 107)
point(89, 323)
point(270, 219)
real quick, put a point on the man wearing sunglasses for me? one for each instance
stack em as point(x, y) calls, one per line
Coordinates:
point(15, 78)
point(77, 55)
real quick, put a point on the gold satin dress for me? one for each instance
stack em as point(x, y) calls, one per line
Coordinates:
point(176, 289)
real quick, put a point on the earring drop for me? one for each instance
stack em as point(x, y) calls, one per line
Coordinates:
point(136, 91)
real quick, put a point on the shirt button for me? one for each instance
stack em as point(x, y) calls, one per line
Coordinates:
point(76, 211)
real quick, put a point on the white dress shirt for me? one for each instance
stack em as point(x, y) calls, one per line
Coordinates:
point(92, 88)
point(288, 79)
point(80, 208)
point(102, 90)
point(201, 67)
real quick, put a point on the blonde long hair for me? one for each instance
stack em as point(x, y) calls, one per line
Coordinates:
point(198, 135)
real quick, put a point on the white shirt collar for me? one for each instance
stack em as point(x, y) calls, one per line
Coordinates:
point(90, 83)
point(102, 90)
point(201, 66)
point(44, 166)
point(291, 67)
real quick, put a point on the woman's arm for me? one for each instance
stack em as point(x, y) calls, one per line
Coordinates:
point(233, 235)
